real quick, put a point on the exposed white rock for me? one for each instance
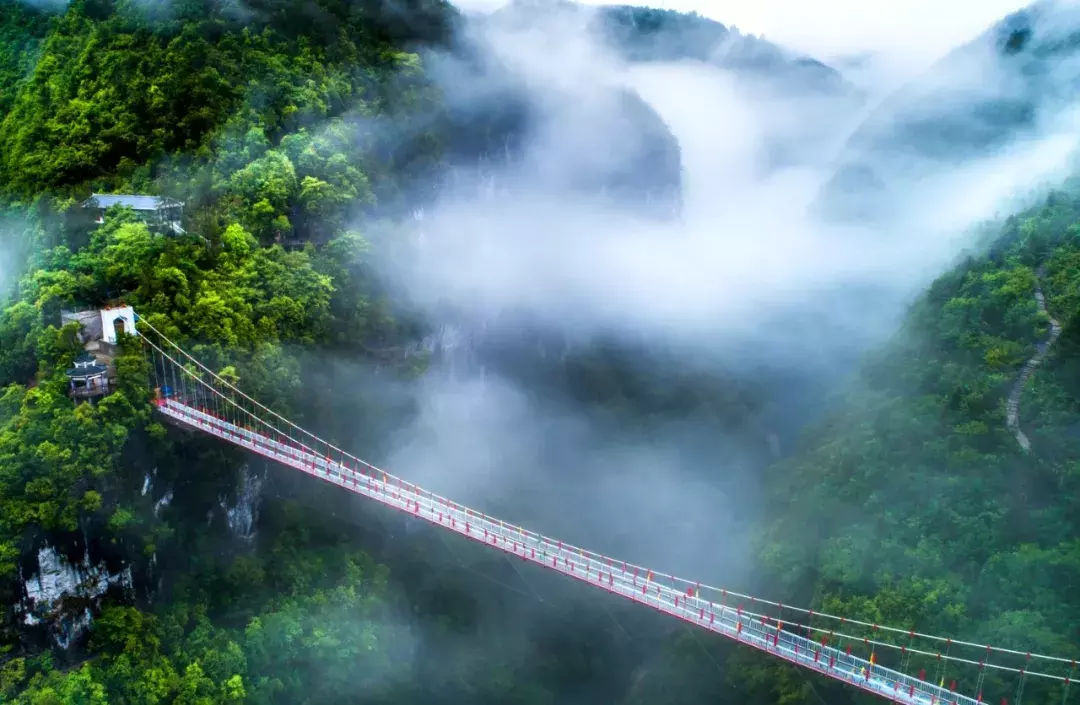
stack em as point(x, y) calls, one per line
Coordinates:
point(58, 583)
point(163, 502)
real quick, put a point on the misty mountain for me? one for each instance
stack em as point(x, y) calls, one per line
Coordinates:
point(1005, 86)
point(494, 123)
point(565, 131)
point(650, 34)
point(764, 72)
point(495, 118)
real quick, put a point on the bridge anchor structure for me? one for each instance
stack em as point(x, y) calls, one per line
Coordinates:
point(194, 397)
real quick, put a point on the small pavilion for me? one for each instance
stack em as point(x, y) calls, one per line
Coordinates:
point(89, 378)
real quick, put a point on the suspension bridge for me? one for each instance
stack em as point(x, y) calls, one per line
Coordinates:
point(923, 669)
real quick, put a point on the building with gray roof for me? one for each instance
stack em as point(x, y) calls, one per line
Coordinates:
point(88, 378)
point(158, 212)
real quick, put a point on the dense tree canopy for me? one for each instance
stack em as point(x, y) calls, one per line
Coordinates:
point(910, 503)
point(266, 114)
point(914, 504)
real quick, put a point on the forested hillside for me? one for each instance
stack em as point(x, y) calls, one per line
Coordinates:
point(913, 504)
point(239, 110)
point(275, 123)
point(301, 123)
point(236, 109)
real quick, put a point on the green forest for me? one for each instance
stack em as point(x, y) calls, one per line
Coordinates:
point(269, 120)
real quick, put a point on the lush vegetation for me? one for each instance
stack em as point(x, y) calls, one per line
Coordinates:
point(913, 504)
point(21, 31)
point(910, 503)
point(269, 126)
point(269, 116)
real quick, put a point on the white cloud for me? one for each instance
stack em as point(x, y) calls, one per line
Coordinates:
point(745, 253)
point(745, 279)
point(908, 34)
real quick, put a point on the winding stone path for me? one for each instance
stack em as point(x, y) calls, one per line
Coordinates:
point(1012, 405)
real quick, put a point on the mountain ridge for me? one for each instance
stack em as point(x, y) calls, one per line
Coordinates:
point(1001, 87)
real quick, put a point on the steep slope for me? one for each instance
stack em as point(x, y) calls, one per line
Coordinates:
point(774, 80)
point(211, 102)
point(1008, 84)
point(22, 27)
point(120, 86)
point(292, 130)
point(912, 502)
point(557, 135)
point(242, 111)
point(501, 133)
point(809, 106)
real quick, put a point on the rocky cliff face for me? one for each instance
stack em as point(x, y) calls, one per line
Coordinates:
point(60, 595)
point(502, 131)
point(64, 587)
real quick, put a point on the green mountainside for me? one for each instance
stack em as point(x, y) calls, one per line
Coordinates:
point(265, 114)
point(911, 503)
point(914, 503)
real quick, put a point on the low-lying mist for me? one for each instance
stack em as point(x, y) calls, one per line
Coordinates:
point(15, 239)
point(635, 303)
point(744, 280)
